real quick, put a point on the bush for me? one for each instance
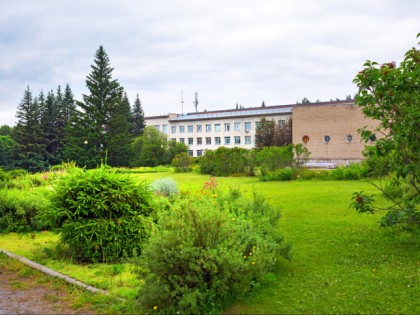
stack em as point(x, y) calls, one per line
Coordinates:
point(283, 174)
point(272, 158)
point(182, 162)
point(208, 250)
point(225, 161)
point(101, 216)
point(165, 187)
point(351, 172)
point(18, 210)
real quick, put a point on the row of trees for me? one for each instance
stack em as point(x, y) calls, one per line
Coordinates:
point(54, 127)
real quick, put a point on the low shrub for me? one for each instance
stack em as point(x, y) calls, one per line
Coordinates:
point(208, 250)
point(353, 171)
point(100, 215)
point(165, 187)
point(182, 162)
point(283, 174)
point(19, 209)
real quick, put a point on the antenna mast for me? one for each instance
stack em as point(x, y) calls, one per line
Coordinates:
point(196, 101)
point(182, 102)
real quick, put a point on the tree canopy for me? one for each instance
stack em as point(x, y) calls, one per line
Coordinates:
point(390, 93)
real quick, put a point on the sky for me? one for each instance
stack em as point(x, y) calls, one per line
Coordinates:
point(228, 51)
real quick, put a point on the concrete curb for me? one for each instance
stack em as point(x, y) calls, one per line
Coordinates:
point(53, 273)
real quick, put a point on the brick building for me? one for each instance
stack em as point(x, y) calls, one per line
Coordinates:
point(327, 129)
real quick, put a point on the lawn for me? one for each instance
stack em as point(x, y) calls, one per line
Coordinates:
point(342, 262)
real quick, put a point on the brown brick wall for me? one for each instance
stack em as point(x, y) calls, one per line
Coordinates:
point(336, 121)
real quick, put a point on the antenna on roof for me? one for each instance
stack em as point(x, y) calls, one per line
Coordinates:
point(196, 101)
point(182, 102)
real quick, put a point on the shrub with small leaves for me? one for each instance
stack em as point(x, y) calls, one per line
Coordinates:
point(165, 187)
point(100, 215)
point(211, 248)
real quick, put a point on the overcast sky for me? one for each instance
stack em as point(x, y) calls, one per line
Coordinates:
point(229, 51)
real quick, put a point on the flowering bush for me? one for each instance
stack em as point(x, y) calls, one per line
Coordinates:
point(207, 251)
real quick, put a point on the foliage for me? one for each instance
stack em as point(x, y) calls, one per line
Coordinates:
point(224, 161)
point(208, 250)
point(139, 122)
point(101, 122)
point(182, 162)
point(29, 135)
point(18, 210)
point(8, 150)
point(269, 133)
point(283, 174)
point(272, 158)
point(391, 95)
point(101, 216)
point(165, 187)
point(301, 154)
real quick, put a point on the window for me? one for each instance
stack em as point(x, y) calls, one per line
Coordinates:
point(247, 126)
point(190, 141)
point(181, 129)
point(182, 140)
point(173, 129)
point(199, 128)
point(305, 139)
point(349, 138)
point(199, 152)
point(327, 138)
point(190, 152)
point(237, 126)
point(257, 124)
point(208, 140)
point(282, 123)
point(247, 139)
point(227, 140)
point(199, 140)
point(165, 129)
point(217, 127)
point(227, 126)
point(157, 127)
point(237, 140)
point(217, 140)
point(190, 128)
point(208, 128)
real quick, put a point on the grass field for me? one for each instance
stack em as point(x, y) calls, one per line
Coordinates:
point(342, 262)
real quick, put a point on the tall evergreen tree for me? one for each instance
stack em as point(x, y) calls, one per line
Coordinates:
point(101, 124)
point(28, 134)
point(139, 122)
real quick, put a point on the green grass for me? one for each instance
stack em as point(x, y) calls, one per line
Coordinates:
point(342, 261)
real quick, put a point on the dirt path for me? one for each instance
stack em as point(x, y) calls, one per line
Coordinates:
point(27, 294)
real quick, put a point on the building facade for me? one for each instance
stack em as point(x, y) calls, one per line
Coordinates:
point(209, 130)
point(327, 129)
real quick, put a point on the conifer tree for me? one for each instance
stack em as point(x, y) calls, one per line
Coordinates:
point(101, 124)
point(139, 122)
point(28, 134)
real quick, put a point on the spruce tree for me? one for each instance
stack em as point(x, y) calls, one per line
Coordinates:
point(28, 134)
point(101, 125)
point(139, 122)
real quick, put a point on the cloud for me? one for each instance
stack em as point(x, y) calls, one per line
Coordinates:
point(228, 51)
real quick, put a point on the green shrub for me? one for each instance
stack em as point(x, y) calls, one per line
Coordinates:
point(272, 158)
point(18, 210)
point(165, 187)
point(101, 216)
point(17, 173)
point(225, 161)
point(210, 249)
point(353, 171)
point(283, 174)
point(182, 162)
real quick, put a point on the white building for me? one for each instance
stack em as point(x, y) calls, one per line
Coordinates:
point(212, 129)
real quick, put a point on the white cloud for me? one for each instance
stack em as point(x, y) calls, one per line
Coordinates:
point(228, 51)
